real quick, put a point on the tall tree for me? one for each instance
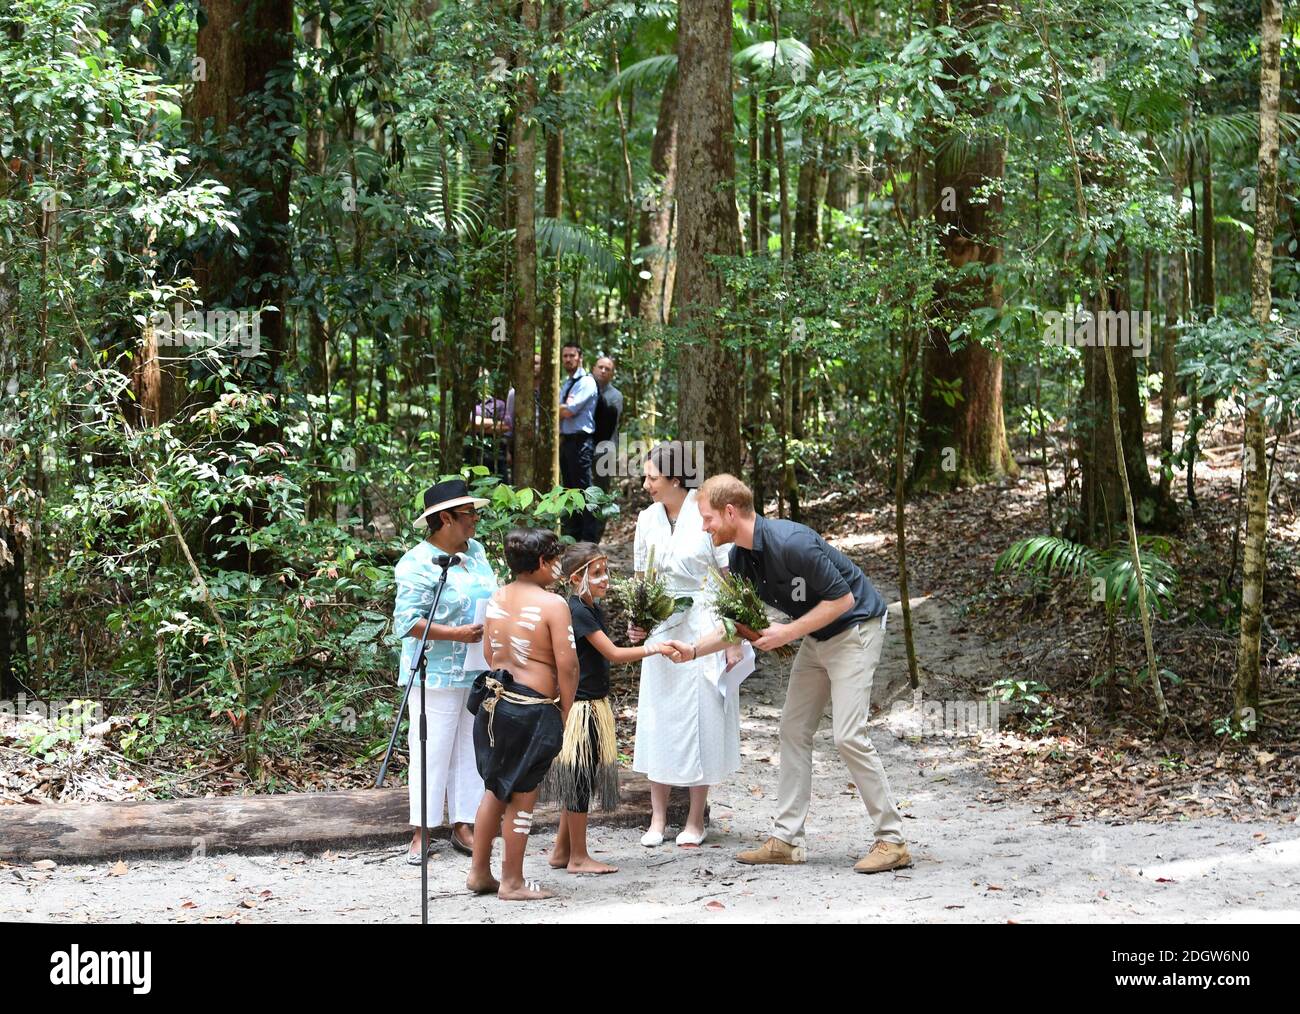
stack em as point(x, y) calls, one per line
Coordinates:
point(547, 461)
point(525, 275)
point(708, 396)
point(242, 111)
point(1245, 690)
point(243, 96)
point(13, 578)
point(652, 297)
point(963, 436)
point(1103, 496)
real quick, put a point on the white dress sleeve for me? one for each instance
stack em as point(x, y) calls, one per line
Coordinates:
point(640, 549)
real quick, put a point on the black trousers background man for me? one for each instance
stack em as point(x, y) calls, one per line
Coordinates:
point(577, 408)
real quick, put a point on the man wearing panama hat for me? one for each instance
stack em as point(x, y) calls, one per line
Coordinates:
point(451, 515)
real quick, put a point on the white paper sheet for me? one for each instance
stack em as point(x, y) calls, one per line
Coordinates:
point(728, 681)
point(474, 658)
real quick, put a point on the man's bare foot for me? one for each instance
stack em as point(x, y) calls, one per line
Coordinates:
point(558, 861)
point(529, 890)
point(481, 885)
point(589, 865)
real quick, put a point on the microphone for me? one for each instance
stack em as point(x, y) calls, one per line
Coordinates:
point(444, 561)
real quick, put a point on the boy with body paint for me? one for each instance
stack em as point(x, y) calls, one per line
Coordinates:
point(528, 643)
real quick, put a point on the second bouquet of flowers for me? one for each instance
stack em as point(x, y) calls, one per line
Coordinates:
point(742, 611)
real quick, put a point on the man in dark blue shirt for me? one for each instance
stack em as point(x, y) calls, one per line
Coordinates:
point(841, 619)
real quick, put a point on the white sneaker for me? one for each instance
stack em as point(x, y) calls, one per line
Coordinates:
point(686, 838)
point(652, 838)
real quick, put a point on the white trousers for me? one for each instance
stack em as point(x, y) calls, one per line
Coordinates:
point(454, 784)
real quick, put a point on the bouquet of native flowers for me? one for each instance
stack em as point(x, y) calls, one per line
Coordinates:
point(742, 611)
point(645, 599)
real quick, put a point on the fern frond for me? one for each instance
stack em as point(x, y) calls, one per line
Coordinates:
point(1046, 555)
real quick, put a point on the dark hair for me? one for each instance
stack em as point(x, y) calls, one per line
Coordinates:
point(669, 458)
point(578, 556)
point(525, 547)
point(573, 344)
point(435, 521)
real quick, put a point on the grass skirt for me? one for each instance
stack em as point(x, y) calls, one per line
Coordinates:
point(587, 765)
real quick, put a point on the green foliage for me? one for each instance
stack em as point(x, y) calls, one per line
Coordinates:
point(1026, 695)
point(1218, 352)
point(1110, 570)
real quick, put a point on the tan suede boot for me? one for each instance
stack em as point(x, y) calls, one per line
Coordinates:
point(774, 851)
point(884, 855)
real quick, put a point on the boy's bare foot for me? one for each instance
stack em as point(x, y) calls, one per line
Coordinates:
point(529, 890)
point(590, 865)
point(558, 861)
point(482, 885)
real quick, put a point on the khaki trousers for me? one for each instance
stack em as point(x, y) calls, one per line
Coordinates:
point(838, 670)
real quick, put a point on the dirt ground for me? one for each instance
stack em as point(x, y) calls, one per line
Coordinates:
point(978, 857)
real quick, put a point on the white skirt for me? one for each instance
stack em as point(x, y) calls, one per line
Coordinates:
point(685, 733)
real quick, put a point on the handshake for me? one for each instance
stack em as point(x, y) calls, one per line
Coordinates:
point(678, 651)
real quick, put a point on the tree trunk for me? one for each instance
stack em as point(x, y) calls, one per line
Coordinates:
point(1245, 689)
point(707, 408)
point(759, 396)
point(547, 460)
point(245, 46)
point(963, 438)
point(1103, 502)
point(652, 298)
point(320, 504)
point(525, 289)
point(13, 609)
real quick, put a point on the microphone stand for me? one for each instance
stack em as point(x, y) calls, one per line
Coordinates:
point(420, 662)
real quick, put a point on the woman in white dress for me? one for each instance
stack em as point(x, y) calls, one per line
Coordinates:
point(685, 733)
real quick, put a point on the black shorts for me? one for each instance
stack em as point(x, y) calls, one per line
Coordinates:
point(525, 739)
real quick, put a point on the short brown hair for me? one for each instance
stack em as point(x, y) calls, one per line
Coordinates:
point(723, 489)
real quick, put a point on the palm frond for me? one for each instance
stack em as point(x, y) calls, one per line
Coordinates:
point(762, 58)
point(1046, 555)
point(1158, 575)
point(1228, 133)
point(464, 194)
point(650, 74)
point(557, 237)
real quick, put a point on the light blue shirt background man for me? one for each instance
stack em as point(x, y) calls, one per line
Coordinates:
point(577, 395)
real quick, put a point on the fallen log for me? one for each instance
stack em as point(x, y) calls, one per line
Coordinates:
point(308, 821)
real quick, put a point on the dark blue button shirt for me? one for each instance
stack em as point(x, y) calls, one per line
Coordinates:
point(793, 568)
